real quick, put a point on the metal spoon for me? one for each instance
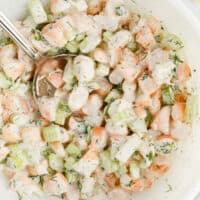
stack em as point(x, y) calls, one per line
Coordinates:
point(46, 88)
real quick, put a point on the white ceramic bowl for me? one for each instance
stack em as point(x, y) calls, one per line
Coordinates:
point(184, 177)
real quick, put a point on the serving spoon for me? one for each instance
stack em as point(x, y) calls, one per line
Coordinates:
point(41, 87)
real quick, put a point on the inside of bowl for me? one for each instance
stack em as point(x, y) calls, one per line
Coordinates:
point(183, 180)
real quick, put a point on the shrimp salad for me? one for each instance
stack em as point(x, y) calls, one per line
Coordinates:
point(111, 117)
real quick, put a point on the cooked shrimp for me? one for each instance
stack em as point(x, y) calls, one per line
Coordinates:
point(56, 78)
point(147, 85)
point(78, 98)
point(111, 180)
point(72, 192)
point(54, 36)
point(99, 138)
point(118, 10)
point(13, 68)
point(58, 148)
point(129, 90)
point(8, 51)
point(88, 163)
point(128, 184)
point(56, 184)
point(115, 56)
point(153, 24)
point(47, 107)
point(59, 6)
point(116, 77)
point(10, 133)
point(4, 151)
point(101, 56)
point(106, 23)
point(88, 186)
point(128, 67)
point(114, 129)
point(38, 170)
point(178, 112)
point(120, 39)
point(145, 38)
point(104, 87)
point(159, 169)
point(140, 111)
point(157, 56)
point(84, 68)
point(31, 135)
point(93, 105)
point(184, 73)
point(95, 6)
point(162, 120)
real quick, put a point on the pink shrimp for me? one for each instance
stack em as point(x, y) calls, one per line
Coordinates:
point(56, 78)
point(145, 38)
point(10, 133)
point(31, 134)
point(178, 112)
point(99, 138)
point(162, 120)
point(95, 6)
point(54, 36)
point(153, 24)
point(184, 73)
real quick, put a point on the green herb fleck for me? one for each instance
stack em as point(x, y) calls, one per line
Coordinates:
point(176, 60)
point(5, 41)
point(120, 10)
point(167, 95)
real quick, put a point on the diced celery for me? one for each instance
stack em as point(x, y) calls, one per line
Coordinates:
point(71, 34)
point(134, 170)
point(92, 85)
point(4, 81)
point(107, 35)
point(37, 11)
point(52, 133)
point(167, 95)
point(72, 176)
point(20, 88)
point(89, 44)
point(113, 95)
point(192, 108)
point(14, 162)
point(72, 46)
point(73, 150)
point(122, 169)
point(5, 41)
point(173, 42)
point(69, 162)
point(138, 126)
point(68, 76)
point(15, 149)
point(132, 45)
point(109, 165)
point(148, 118)
point(80, 37)
point(62, 113)
point(82, 127)
point(56, 163)
point(88, 138)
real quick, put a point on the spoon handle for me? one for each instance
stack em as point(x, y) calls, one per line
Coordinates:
point(16, 36)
